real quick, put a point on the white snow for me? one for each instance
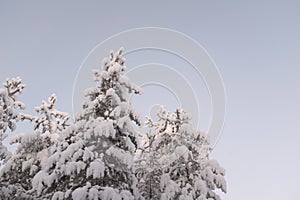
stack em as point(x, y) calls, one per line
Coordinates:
point(96, 169)
point(58, 196)
point(123, 156)
point(80, 193)
point(42, 178)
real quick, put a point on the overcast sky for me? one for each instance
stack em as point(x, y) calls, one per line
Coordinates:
point(256, 46)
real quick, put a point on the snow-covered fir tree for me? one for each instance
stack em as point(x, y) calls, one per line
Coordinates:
point(33, 150)
point(147, 167)
point(182, 167)
point(95, 157)
point(9, 111)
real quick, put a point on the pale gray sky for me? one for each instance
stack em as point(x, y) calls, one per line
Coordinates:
point(254, 44)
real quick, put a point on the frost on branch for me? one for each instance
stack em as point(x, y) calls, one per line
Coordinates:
point(180, 154)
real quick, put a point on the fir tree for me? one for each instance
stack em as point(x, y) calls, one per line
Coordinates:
point(33, 150)
point(9, 113)
point(182, 156)
point(148, 169)
point(94, 159)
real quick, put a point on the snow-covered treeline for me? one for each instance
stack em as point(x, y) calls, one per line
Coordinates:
point(101, 155)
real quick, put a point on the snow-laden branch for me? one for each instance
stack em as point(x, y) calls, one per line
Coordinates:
point(53, 119)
